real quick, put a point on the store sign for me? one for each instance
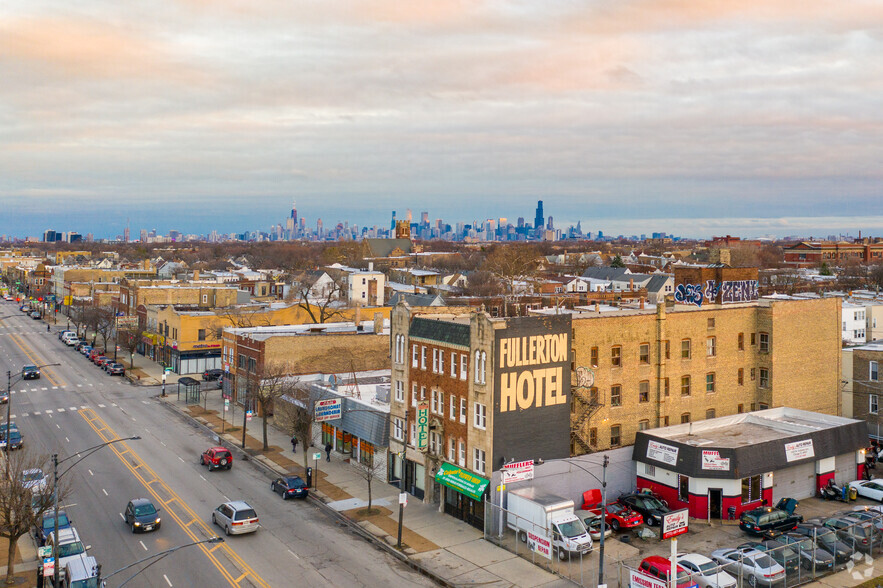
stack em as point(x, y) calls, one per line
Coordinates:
point(518, 471)
point(799, 450)
point(674, 523)
point(639, 580)
point(462, 481)
point(328, 410)
point(127, 322)
point(539, 544)
point(662, 452)
point(712, 460)
point(422, 425)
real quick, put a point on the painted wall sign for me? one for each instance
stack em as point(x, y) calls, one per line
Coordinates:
point(675, 523)
point(712, 460)
point(518, 471)
point(730, 291)
point(327, 410)
point(662, 452)
point(422, 425)
point(540, 544)
point(799, 450)
point(585, 378)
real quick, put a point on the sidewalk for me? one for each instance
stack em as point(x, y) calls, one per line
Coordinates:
point(446, 549)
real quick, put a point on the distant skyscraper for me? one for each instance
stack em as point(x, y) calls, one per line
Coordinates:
point(538, 219)
point(294, 211)
point(408, 216)
point(520, 222)
point(424, 218)
point(550, 226)
point(392, 225)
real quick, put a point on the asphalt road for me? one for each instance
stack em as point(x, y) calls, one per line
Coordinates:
point(75, 405)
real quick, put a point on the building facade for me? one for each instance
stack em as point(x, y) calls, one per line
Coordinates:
point(867, 386)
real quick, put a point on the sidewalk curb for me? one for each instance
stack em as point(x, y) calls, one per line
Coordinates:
point(352, 525)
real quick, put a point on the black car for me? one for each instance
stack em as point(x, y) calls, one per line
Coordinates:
point(766, 520)
point(826, 539)
point(30, 372)
point(142, 516)
point(782, 554)
point(650, 507)
point(290, 487)
point(211, 375)
point(812, 556)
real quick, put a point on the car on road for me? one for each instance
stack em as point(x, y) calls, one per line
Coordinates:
point(142, 516)
point(211, 375)
point(35, 315)
point(826, 539)
point(754, 567)
point(47, 525)
point(69, 546)
point(116, 369)
point(872, 489)
point(216, 458)
point(290, 487)
point(12, 440)
point(236, 518)
point(659, 567)
point(649, 507)
point(812, 556)
point(703, 571)
point(766, 520)
point(34, 480)
point(4, 397)
point(30, 372)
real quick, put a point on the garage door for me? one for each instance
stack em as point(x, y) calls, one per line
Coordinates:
point(844, 468)
point(795, 482)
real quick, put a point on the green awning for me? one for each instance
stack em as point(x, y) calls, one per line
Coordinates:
point(462, 481)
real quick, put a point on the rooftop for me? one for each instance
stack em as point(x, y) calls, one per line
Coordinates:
point(349, 327)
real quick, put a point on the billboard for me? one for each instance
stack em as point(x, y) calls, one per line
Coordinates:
point(327, 410)
point(674, 523)
point(531, 395)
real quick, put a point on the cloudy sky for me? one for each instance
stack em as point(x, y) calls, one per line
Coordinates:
point(696, 117)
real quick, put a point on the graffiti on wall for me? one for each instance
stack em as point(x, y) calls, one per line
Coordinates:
point(730, 291)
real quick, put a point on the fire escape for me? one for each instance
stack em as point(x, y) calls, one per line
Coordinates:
point(585, 405)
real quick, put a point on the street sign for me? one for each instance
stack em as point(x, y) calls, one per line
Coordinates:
point(518, 471)
point(317, 456)
point(328, 410)
point(226, 404)
point(248, 415)
point(674, 523)
point(45, 551)
point(403, 498)
point(48, 567)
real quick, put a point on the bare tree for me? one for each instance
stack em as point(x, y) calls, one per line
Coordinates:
point(876, 276)
point(244, 316)
point(105, 321)
point(295, 414)
point(129, 338)
point(265, 387)
point(511, 264)
point(368, 470)
point(21, 507)
point(321, 299)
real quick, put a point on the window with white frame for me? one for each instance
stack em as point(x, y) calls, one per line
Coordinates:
point(398, 429)
point(422, 392)
point(483, 366)
point(423, 357)
point(462, 457)
point(873, 403)
point(475, 366)
point(433, 405)
point(873, 371)
point(478, 461)
point(400, 391)
point(435, 443)
point(441, 361)
point(453, 365)
point(414, 356)
point(414, 395)
point(413, 439)
point(452, 450)
point(480, 421)
point(463, 410)
point(464, 362)
point(435, 361)
point(453, 409)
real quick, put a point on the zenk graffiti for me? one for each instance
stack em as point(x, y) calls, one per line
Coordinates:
point(730, 291)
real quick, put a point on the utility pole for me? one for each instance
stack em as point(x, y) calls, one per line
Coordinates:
point(603, 520)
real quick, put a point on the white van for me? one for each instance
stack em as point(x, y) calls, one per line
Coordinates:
point(70, 339)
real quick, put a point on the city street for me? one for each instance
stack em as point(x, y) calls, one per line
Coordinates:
point(75, 405)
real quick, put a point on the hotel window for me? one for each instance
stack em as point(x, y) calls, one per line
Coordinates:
point(422, 392)
point(480, 421)
point(710, 413)
point(643, 425)
point(480, 366)
point(665, 421)
point(872, 403)
point(685, 418)
point(711, 347)
point(740, 409)
point(685, 385)
point(398, 429)
point(740, 376)
point(462, 461)
point(764, 342)
point(593, 357)
point(414, 356)
point(435, 361)
point(616, 395)
point(453, 365)
point(644, 391)
point(441, 361)
point(478, 460)
point(616, 356)
point(751, 489)
point(685, 349)
point(709, 382)
point(453, 409)
point(463, 366)
point(741, 342)
point(873, 371)
point(683, 488)
point(665, 386)
point(452, 450)
point(435, 446)
point(433, 405)
point(753, 374)
point(463, 410)
point(615, 436)
point(423, 357)
point(413, 434)
point(711, 323)
point(414, 395)
point(644, 353)
point(753, 339)
point(400, 391)
point(667, 349)
point(764, 378)
point(593, 436)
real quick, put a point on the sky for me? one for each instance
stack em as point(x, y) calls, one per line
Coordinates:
point(691, 117)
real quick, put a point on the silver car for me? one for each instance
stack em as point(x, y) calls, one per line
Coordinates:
point(236, 518)
point(756, 568)
point(705, 572)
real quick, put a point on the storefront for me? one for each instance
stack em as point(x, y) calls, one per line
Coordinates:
point(464, 494)
point(721, 467)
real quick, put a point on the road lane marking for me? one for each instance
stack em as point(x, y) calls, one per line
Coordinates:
point(169, 582)
point(99, 406)
point(179, 457)
point(227, 561)
point(142, 545)
point(66, 439)
point(48, 411)
point(90, 472)
point(203, 479)
point(24, 414)
point(59, 410)
point(293, 553)
point(105, 492)
point(73, 408)
point(122, 517)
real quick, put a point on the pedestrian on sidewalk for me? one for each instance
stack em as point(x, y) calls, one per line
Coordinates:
point(47, 328)
point(328, 452)
point(294, 444)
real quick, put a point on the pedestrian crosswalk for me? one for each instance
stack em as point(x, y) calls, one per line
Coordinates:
point(60, 409)
point(62, 387)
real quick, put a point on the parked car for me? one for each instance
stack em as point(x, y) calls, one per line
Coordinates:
point(216, 458)
point(47, 525)
point(105, 362)
point(649, 507)
point(78, 343)
point(705, 572)
point(812, 556)
point(620, 516)
point(754, 567)
point(236, 518)
point(290, 487)
point(4, 396)
point(12, 440)
point(30, 372)
point(69, 546)
point(211, 375)
point(61, 334)
point(766, 520)
point(34, 480)
point(781, 554)
point(35, 315)
point(874, 518)
point(827, 540)
point(659, 567)
point(142, 516)
point(116, 369)
point(852, 531)
point(872, 489)
point(99, 360)
point(593, 524)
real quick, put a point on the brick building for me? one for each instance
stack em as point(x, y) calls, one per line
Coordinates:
point(867, 386)
point(812, 254)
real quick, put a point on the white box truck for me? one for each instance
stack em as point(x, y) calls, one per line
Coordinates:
point(534, 513)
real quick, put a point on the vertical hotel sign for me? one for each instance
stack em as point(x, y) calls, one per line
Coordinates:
point(532, 389)
point(422, 425)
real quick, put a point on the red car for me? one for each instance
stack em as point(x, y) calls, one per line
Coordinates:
point(216, 458)
point(619, 516)
point(659, 567)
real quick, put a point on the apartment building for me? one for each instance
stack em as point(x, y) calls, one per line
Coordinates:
point(867, 386)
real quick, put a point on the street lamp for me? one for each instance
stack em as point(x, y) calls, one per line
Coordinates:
point(55, 476)
point(603, 482)
point(9, 383)
point(157, 557)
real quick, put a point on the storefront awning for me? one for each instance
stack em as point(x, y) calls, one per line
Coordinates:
point(462, 481)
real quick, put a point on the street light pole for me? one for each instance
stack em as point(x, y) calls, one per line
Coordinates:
point(9, 406)
point(603, 481)
point(156, 557)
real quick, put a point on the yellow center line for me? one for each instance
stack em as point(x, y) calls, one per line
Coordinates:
point(206, 532)
point(35, 358)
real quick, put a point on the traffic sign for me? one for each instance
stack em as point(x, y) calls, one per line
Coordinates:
point(45, 551)
point(317, 456)
point(403, 498)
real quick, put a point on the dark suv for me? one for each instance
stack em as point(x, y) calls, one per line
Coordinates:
point(768, 521)
point(211, 375)
point(30, 372)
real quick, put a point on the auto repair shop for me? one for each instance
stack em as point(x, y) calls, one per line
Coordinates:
point(742, 460)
